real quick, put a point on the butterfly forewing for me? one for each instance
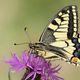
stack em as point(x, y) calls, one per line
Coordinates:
point(65, 24)
point(62, 29)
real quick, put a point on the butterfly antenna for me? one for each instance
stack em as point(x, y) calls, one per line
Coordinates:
point(21, 43)
point(25, 29)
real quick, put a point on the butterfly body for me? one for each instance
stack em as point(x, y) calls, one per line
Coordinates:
point(42, 47)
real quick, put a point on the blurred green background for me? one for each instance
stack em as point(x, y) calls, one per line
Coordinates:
point(35, 14)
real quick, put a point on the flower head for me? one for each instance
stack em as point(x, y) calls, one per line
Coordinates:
point(37, 66)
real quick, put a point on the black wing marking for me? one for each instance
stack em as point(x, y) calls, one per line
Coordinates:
point(63, 27)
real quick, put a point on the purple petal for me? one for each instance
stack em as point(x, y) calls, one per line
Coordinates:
point(25, 57)
point(34, 76)
point(57, 77)
point(29, 75)
point(55, 71)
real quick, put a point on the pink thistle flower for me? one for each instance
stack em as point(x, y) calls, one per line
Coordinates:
point(36, 67)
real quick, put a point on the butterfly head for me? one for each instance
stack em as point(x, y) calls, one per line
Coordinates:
point(34, 45)
point(31, 45)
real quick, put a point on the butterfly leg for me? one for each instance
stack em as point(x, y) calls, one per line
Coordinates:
point(44, 53)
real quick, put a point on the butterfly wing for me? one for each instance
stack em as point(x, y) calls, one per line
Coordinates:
point(62, 29)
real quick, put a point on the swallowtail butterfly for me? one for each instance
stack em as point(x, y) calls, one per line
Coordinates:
point(61, 37)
